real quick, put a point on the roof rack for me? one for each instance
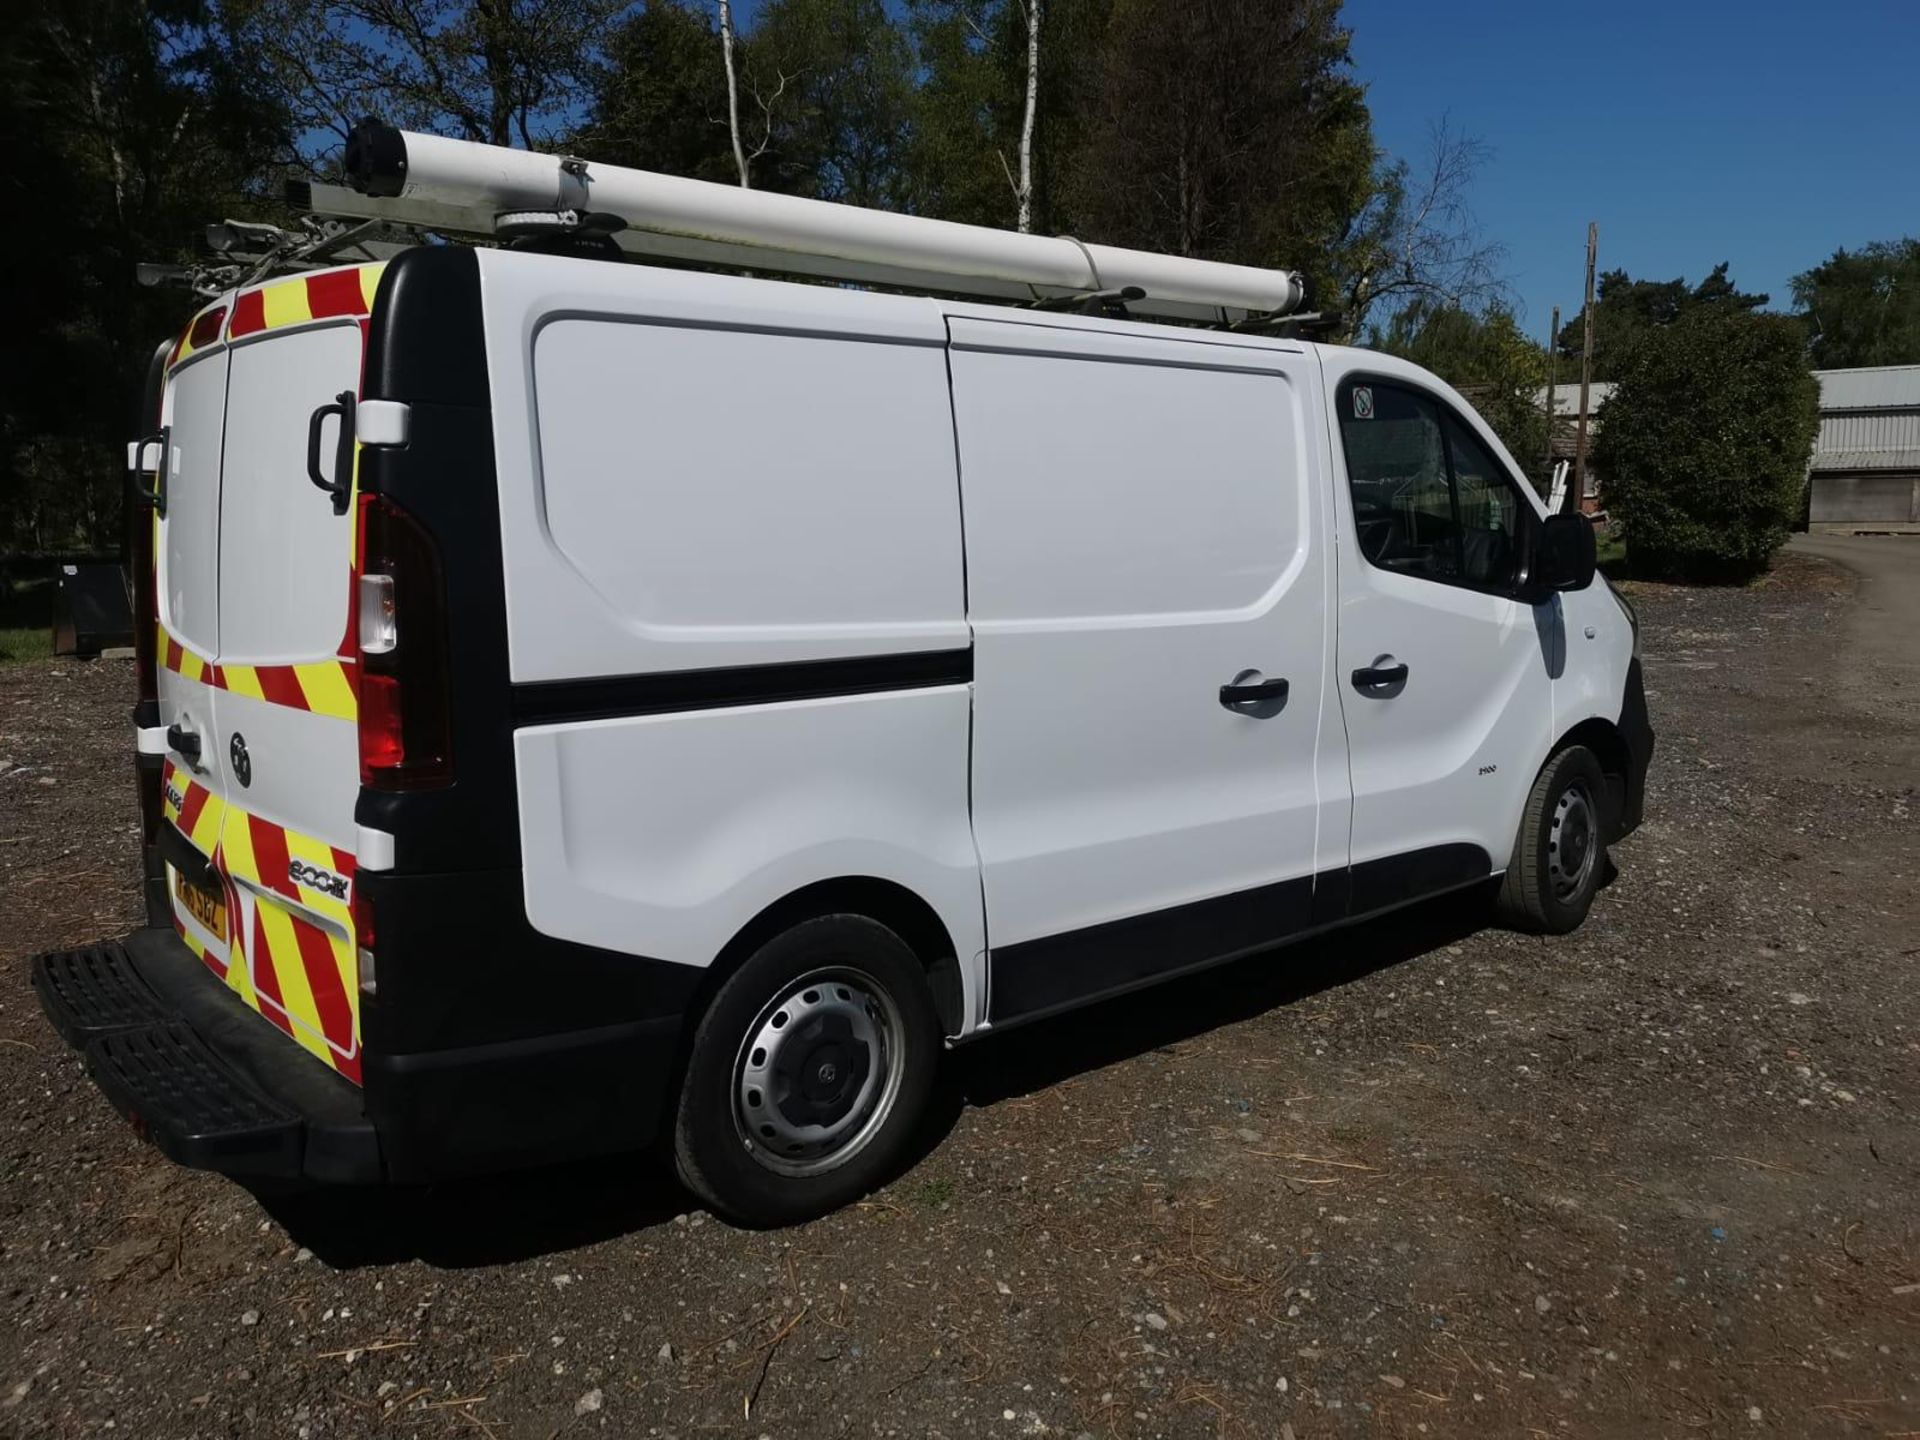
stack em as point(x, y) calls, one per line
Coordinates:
point(461, 187)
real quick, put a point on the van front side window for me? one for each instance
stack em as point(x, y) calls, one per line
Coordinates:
point(1403, 512)
point(1429, 500)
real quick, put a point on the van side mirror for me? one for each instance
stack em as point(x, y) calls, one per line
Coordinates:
point(1564, 557)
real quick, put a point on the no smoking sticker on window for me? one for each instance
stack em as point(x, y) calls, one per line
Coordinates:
point(1362, 402)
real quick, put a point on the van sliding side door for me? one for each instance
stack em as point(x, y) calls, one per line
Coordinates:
point(1159, 774)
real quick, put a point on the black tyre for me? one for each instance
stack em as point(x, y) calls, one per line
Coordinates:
point(1561, 850)
point(808, 1073)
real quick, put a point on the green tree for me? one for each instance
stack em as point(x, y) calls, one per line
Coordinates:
point(1226, 129)
point(1862, 307)
point(844, 73)
point(1705, 441)
point(127, 130)
point(1625, 309)
point(658, 99)
point(501, 71)
point(969, 106)
point(1488, 358)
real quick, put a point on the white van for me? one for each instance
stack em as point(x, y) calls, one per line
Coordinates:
point(707, 697)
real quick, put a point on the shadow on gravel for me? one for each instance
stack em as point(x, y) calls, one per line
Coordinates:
point(1032, 1057)
point(502, 1219)
point(495, 1220)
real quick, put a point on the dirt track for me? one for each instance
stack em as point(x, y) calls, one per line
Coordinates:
point(1659, 1178)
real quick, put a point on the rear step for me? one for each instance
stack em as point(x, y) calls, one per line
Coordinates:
point(210, 1082)
point(94, 991)
point(183, 1098)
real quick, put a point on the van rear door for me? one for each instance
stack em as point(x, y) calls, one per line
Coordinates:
point(186, 560)
point(271, 592)
point(287, 713)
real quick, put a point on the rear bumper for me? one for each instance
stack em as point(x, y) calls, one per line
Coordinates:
point(216, 1087)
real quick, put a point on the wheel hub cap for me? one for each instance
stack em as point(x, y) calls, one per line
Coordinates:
point(817, 1072)
point(1572, 843)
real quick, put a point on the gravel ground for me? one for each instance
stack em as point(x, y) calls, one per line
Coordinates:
point(1657, 1178)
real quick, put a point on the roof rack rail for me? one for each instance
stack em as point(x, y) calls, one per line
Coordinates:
point(461, 187)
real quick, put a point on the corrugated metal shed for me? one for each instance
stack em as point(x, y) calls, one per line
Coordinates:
point(1869, 387)
point(1869, 419)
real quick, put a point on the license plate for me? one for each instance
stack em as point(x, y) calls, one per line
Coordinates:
point(203, 904)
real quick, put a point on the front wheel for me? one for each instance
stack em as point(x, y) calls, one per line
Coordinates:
point(808, 1073)
point(1561, 850)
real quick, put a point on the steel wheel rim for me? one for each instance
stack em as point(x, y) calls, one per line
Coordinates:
point(1573, 842)
point(795, 1109)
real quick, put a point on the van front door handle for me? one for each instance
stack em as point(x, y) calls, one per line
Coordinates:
point(1248, 691)
point(1385, 674)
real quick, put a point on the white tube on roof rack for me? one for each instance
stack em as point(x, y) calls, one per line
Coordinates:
point(432, 181)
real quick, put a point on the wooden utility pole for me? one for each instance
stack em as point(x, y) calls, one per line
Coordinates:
point(1577, 491)
point(1553, 370)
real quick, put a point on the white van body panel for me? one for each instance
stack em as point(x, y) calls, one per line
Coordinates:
point(708, 474)
point(1599, 648)
point(663, 835)
point(1144, 524)
point(700, 471)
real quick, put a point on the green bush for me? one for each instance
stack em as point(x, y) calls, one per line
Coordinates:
point(1704, 443)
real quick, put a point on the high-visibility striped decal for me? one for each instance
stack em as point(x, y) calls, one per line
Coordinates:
point(304, 979)
point(327, 295)
point(322, 687)
point(192, 807)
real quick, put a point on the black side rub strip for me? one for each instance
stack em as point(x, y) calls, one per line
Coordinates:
point(551, 702)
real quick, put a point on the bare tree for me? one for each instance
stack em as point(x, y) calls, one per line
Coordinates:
point(1023, 192)
point(767, 102)
point(733, 94)
point(499, 71)
point(1417, 238)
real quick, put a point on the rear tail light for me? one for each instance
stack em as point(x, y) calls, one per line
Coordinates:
point(401, 628)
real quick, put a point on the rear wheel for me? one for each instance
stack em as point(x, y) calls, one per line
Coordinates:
point(808, 1073)
point(1561, 850)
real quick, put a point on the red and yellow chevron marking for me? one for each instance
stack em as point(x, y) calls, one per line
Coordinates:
point(325, 687)
point(325, 295)
point(305, 976)
point(195, 810)
point(304, 299)
point(203, 330)
point(301, 976)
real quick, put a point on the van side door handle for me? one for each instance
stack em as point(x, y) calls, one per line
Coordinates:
point(1386, 675)
point(1248, 691)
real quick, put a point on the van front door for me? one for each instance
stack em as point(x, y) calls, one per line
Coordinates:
point(1158, 772)
point(1445, 676)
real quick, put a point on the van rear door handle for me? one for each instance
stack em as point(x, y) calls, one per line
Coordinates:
point(1247, 689)
point(185, 744)
point(340, 484)
point(1383, 675)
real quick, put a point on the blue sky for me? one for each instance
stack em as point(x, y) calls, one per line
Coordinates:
point(1761, 132)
